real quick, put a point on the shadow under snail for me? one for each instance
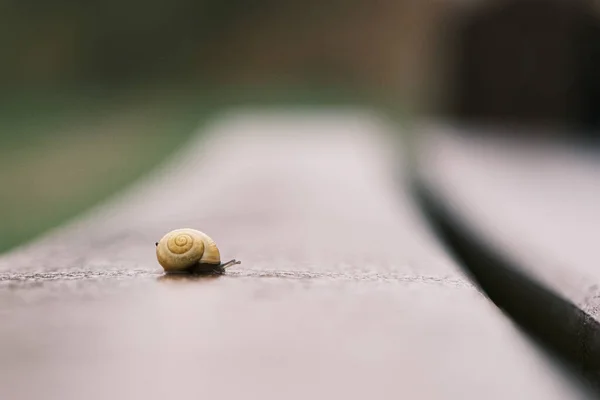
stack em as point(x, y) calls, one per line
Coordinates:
point(188, 251)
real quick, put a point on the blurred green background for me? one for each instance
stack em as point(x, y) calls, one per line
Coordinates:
point(96, 94)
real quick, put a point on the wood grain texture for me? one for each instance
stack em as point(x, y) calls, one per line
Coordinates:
point(342, 293)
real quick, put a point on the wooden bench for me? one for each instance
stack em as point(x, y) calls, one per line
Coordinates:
point(343, 291)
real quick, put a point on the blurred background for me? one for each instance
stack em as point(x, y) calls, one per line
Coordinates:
point(95, 94)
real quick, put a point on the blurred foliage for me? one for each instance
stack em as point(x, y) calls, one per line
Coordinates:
point(60, 154)
point(65, 41)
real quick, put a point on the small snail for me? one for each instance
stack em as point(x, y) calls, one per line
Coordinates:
point(190, 251)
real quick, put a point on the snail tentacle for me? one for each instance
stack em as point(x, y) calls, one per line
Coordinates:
point(230, 263)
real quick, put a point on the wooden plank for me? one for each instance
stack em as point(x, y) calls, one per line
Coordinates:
point(531, 207)
point(343, 291)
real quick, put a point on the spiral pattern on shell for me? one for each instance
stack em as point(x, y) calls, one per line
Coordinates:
point(184, 249)
point(180, 243)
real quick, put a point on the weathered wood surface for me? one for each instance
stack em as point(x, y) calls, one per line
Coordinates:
point(343, 292)
point(524, 216)
point(536, 201)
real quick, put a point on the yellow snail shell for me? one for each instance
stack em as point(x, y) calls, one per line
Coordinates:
point(189, 251)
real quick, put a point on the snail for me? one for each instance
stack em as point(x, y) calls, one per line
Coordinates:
point(190, 251)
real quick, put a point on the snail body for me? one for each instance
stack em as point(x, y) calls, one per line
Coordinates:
point(190, 251)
